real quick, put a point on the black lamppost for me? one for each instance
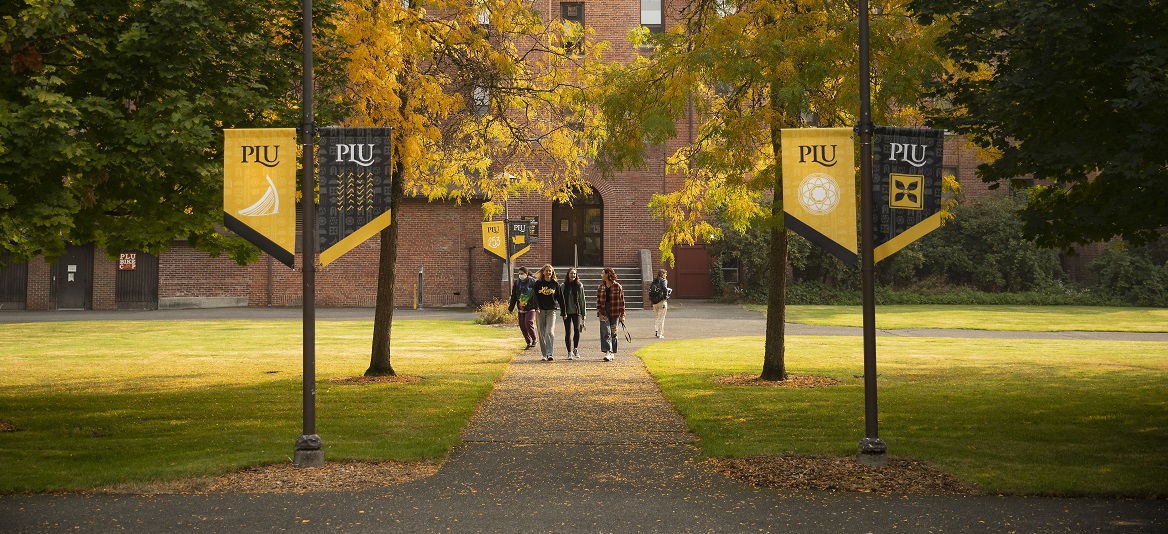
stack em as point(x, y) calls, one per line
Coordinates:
point(309, 451)
point(872, 448)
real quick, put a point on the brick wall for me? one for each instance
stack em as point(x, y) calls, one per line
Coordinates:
point(40, 285)
point(105, 272)
point(188, 278)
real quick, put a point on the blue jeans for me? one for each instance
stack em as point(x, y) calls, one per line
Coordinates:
point(608, 336)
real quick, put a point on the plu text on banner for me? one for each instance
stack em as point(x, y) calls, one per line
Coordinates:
point(495, 239)
point(259, 188)
point(906, 186)
point(355, 185)
point(518, 238)
point(819, 188)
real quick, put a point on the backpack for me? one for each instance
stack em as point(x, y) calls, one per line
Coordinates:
point(657, 291)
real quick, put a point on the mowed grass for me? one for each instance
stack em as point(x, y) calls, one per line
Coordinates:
point(100, 403)
point(1012, 416)
point(1021, 318)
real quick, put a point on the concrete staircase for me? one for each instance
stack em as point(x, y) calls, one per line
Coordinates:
point(628, 277)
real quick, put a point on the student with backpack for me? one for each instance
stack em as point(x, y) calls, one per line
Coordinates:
point(523, 300)
point(659, 295)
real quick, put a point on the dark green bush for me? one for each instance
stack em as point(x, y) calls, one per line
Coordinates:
point(980, 257)
point(983, 247)
point(1137, 276)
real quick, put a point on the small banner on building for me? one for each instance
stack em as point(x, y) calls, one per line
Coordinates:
point(819, 188)
point(259, 188)
point(355, 179)
point(495, 239)
point(906, 186)
point(518, 238)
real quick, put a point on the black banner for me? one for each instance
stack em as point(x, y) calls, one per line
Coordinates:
point(518, 237)
point(355, 177)
point(906, 186)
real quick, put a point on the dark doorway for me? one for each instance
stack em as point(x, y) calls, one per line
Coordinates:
point(578, 232)
point(13, 284)
point(136, 286)
point(75, 278)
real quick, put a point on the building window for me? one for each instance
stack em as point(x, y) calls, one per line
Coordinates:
point(726, 7)
point(484, 16)
point(481, 99)
point(651, 15)
point(573, 12)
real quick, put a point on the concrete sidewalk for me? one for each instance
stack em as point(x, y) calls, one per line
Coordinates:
point(581, 446)
point(712, 319)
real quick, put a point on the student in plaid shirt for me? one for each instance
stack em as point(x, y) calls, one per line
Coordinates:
point(610, 308)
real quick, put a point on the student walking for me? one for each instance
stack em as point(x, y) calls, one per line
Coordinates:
point(610, 308)
point(522, 299)
point(659, 291)
point(548, 298)
point(575, 305)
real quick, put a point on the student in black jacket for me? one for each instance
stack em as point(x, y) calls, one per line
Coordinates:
point(548, 298)
point(573, 309)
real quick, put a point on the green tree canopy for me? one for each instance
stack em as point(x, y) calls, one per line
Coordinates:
point(111, 116)
point(1071, 93)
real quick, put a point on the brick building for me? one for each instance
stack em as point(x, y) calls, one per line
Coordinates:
point(439, 242)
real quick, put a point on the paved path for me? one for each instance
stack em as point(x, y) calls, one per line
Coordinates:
point(580, 446)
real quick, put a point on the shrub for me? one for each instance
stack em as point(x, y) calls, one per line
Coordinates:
point(1138, 276)
point(983, 247)
point(495, 312)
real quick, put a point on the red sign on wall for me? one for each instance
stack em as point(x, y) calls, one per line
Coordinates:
point(128, 261)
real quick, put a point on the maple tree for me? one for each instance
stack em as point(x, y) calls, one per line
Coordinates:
point(485, 101)
point(741, 72)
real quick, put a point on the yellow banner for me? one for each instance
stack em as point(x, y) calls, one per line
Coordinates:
point(495, 239)
point(259, 188)
point(819, 188)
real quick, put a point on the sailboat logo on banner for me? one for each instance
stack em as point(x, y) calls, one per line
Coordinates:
point(269, 204)
point(255, 179)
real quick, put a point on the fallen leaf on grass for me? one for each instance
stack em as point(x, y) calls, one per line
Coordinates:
point(792, 381)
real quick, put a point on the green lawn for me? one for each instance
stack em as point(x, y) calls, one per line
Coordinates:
point(1014, 416)
point(100, 403)
point(1025, 318)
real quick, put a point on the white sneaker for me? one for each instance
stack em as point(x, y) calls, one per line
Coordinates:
point(576, 352)
point(608, 356)
point(570, 356)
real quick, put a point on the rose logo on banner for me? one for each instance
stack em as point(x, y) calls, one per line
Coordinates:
point(819, 194)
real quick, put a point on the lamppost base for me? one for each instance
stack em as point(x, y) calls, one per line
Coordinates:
point(309, 452)
point(873, 452)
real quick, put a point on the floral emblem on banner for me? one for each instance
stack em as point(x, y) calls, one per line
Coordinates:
point(819, 194)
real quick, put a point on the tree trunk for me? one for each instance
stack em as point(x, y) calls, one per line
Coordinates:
point(379, 361)
point(773, 364)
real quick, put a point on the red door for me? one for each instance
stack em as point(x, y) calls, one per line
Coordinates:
point(690, 277)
